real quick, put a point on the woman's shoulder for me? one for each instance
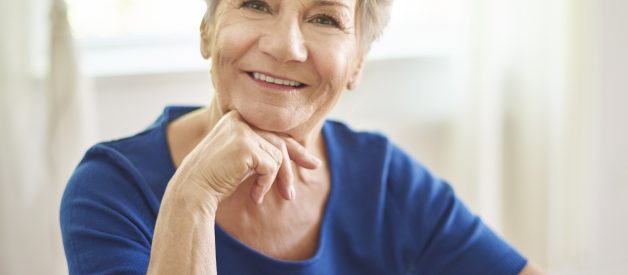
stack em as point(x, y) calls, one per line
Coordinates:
point(108, 203)
point(339, 135)
point(112, 173)
point(343, 130)
point(137, 163)
point(147, 145)
point(421, 211)
point(373, 157)
point(130, 154)
point(373, 145)
point(147, 149)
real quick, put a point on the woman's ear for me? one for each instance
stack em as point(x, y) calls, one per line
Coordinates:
point(355, 75)
point(206, 38)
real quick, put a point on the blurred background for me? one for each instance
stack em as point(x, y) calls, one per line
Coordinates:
point(519, 104)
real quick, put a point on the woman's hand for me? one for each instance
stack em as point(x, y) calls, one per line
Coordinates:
point(233, 152)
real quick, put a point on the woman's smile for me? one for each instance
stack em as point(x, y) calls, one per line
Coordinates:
point(269, 81)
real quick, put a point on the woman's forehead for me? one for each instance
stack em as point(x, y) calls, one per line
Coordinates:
point(349, 4)
point(345, 4)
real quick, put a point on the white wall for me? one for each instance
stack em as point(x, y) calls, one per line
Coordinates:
point(610, 138)
point(413, 93)
point(128, 104)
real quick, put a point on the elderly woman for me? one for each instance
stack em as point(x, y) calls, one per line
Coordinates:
point(258, 182)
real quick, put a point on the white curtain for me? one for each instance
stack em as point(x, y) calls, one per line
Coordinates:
point(45, 126)
point(522, 136)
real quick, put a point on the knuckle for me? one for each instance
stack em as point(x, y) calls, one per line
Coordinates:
point(277, 156)
point(274, 164)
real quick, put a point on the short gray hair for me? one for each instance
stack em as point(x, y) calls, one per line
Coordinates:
point(374, 16)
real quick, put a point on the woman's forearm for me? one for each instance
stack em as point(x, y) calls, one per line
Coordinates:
point(183, 241)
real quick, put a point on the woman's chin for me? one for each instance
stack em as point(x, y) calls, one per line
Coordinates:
point(275, 121)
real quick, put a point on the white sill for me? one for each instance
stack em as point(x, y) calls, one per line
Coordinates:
point(140, 56)
point(175, 54)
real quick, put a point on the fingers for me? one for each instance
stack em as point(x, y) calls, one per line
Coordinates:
point(296, 151)
point(300, 155)
point(290, 149)
point(266, 165)
point(273, 161)
point(285, 176)
point(280, 150)
point(286, 180)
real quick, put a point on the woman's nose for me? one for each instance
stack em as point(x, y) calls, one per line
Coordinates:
point(284, 42)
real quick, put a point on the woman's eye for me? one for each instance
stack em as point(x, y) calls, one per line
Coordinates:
point(260, 6)
point(325, 20)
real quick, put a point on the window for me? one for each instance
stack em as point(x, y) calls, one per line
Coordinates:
point(127, 18)
point(120, 37)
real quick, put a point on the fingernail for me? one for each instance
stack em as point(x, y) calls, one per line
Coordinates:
point(318, 161)
point(292, 192)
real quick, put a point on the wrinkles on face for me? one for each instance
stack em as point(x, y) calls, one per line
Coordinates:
point(242, 44)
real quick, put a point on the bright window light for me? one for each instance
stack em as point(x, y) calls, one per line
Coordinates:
point(121, 37)
point(116, 18)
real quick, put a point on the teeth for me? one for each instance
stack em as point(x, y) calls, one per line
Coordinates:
point(263, 77)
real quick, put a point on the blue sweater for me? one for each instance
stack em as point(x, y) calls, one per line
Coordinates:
point(386, 214)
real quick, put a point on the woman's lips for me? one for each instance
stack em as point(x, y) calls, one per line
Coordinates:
point(275, 83)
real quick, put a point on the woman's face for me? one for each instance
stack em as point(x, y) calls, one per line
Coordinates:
point(282, 63)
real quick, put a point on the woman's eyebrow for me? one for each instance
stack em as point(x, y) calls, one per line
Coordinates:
point(331, 3)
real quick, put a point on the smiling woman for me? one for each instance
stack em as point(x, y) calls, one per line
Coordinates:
point(313, 43)
point(259, 181)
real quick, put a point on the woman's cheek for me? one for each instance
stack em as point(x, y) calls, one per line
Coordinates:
point(334, 69)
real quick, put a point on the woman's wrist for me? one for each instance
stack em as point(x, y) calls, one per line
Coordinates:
point(183, 240)
point(191, 195)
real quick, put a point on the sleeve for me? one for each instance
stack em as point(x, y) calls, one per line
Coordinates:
point(106, 222)
point(449, 238)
